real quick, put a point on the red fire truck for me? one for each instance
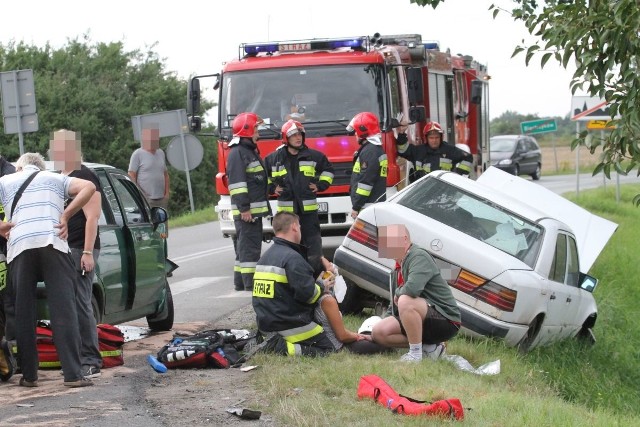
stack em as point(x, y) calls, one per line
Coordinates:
point(325, 82)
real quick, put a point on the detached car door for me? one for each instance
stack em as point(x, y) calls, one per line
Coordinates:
point(141, 248)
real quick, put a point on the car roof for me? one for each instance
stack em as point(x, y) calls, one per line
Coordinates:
point(508, 136)
point(49, 165)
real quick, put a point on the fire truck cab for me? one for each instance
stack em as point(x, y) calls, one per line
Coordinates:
point(324, 83)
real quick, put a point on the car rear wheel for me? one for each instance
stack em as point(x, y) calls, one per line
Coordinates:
point(97, 313)
point(536, 174)
point(352, 302)
point(166, 323)
point(524, 346)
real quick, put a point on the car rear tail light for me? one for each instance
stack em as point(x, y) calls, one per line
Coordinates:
point(364, 233)
point(486, 291)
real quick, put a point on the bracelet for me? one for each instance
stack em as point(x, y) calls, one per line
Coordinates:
point(87, 253)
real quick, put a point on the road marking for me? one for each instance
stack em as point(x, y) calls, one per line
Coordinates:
point(193, 283)
point(197, 255)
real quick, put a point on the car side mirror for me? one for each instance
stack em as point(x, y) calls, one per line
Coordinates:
point(588, 283)
point(158, 216)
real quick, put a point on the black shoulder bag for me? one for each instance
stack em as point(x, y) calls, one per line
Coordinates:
point(24, 185)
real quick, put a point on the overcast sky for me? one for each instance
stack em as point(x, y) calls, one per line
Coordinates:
point(197, 36)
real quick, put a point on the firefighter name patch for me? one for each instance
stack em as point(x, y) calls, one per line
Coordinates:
point(263, 288)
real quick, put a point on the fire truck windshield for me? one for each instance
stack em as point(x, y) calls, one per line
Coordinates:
point(324, 98)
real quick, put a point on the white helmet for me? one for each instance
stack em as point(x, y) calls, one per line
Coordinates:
point(367, 325)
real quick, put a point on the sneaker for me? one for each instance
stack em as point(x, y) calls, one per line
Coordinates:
point(408, 357)
point(436, 353)
point(26, 383)
point(82, 382)
point(7, 361)
point(89, 371)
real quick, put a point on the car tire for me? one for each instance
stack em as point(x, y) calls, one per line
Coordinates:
point(536, 174)
point(95, 307)
point(352, 302)
point(167, 323)
point(516, 170)
point(524, 346)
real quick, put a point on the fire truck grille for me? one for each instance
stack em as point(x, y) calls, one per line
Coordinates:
point(342, 173)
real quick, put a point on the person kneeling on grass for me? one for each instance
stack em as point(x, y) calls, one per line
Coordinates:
point(425, 313)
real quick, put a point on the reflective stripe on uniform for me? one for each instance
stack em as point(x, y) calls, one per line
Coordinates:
point(269, 272)
point(364, 189)
point(111, 353)
point(309, 205)
point(327, 176)
point(301, 333)
point(465, 166)
point(446, 164)
point(237, 188)
point(383, 165)
point(254, 167)
point(246, 267)
point(308, 168)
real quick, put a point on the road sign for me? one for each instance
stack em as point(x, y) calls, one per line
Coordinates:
point(585, 108)
point(599, 125)
point(193, 152)
point(538, 126)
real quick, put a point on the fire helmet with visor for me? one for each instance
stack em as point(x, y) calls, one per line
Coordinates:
point(244, 125)
point(364, 125)
point(291, 127)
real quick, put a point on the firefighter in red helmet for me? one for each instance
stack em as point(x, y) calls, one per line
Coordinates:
point(369, 175)
point(248, 190)
point(436, 154)
point(296, 174)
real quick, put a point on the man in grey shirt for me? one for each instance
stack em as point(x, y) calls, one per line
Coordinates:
point(148, 168)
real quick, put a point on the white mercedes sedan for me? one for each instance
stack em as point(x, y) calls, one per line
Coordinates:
point(515, 254)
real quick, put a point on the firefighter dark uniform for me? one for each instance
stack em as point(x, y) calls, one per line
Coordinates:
point(294, 173)
point(425, 159)
point(369, 176)
point(248, 190)
point(284, 297)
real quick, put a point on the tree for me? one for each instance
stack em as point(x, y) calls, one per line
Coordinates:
point(601, 37)
point(96, 89)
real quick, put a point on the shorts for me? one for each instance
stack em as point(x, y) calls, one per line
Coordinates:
point(436, 328)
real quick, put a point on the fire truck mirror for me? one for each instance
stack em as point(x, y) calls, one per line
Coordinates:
point(476, 92)
point(417, 114)
point(414, 85)
point(193, 97)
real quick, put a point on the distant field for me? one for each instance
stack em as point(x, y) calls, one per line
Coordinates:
point(564, 159)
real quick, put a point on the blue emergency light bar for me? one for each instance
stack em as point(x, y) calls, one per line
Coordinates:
point(252, 49)
point(432, 45)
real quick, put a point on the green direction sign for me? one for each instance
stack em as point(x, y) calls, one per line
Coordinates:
point(538, 126)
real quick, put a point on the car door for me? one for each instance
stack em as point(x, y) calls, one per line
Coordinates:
point(564, 294)
point(141, 247)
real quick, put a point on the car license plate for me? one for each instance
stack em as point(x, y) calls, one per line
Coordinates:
point(323, 207)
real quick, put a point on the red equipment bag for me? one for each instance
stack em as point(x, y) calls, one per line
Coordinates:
point(110, 343)
point(374, 387)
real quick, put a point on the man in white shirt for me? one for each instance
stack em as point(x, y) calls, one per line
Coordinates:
point(37, 250)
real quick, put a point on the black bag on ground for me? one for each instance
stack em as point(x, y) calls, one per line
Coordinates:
point(215, 348)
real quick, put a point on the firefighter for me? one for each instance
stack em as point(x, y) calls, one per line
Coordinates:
point(436, 154)
point(296, 174)
point(285, 293)
point(369, 176)
point(248, 191)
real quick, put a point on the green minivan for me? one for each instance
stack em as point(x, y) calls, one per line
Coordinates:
point(131, 273)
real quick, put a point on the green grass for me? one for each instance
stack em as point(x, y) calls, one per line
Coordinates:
point(200, 216)
point(566, 384)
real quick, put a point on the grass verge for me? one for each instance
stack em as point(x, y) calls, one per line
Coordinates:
point(566, 384)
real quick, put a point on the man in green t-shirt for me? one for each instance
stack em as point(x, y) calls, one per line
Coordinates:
point(424, 312)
